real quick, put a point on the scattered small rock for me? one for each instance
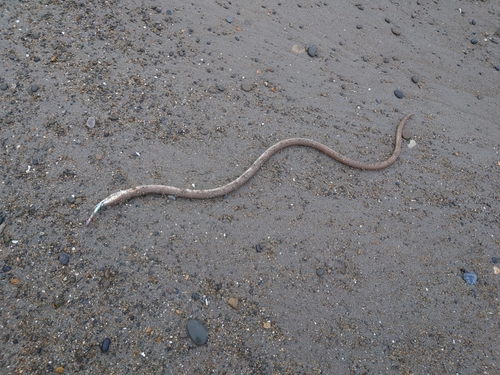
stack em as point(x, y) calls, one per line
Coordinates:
point(359, 27)
point(415, 79)
point(312, 51)
point(195, 296)
point(399, 94)
point(474, 40)
point(320, 272)
point(197, 331)
point(470, 278)
point(4, 86)
point(267, 325)
point(497, 67)
point(406, 134)
point(229, 19)
point(412, 144)
point(233, 302)
point(387, 19)
point(105, 345)
point(34, 88)
point(6, 268)
point(258, 248)
point(396, 30)
point(91, 122)
point(246, 87)
point(63, 258)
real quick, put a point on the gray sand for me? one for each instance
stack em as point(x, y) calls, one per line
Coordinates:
point(312, 267)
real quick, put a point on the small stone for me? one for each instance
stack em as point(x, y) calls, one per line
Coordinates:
point(267, 325)
point(171, 197)
point(4, 86)
point(312, 51)
point(415, 79)
point(63, 258)
point(98, 156)
point(197, 331)
point(1, 219)
point(14, 281)
point(406, 134)
point(91, 122)
point(258, 248)
point(71, 199)
point(412, 144)
point(470, 278)
point(105, 345)
point(59, 370)
point(34, 88)
point(497, 67)
point(396, 30)
point(221, 88)
point(246, 87)
point(113, 117)
point(6, 268)
point(195, 296)
point(496, 270)
point(474, 40)
point(233, 302)
point(494, 260)
point(320, 272)
point(387, 19)
point(229, 19)
point(36, 59)
point(399, 94)
point(359, 27)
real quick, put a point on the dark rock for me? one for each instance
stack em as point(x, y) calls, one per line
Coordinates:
point(415, 79)
point(197, 332)
point(105, 345)
point(474, 40)
point(311, 50)
point(399, 94)
point(63, 258)
point(320, 272)
point(470, 278)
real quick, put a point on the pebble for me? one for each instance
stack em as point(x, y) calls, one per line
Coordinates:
point(229, 19)
point(415, 79)
point(6, 268)
point(497, 67)
point(246, 87)
point(311, 50)
point(387, 19)
point(4, 86)
point(91, 122)
point(470, 278)
point(474, 40)
point(258, 248)
point(396, 31)
point(197, 331)
point(320, 272)
point(233, 302)
point(36, 59)
point(2, 219)
point(412, 144)
point(71, 199)
point(113, 117)
point(399, 94)
point(171, 197)
point(221, 88)
point(494, 260)
point(63, 258)
point(195, 296)
point(406, 134)
point(34, 88)
point(105, 345)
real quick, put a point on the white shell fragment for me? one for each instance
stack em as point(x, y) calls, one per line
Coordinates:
point(412, 144)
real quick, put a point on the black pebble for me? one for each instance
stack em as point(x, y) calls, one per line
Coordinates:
point(473, 22)
point(320, 272)
point(34, 88)
point(415, 79)
point(398, 93)
point(6, 268)
point(229, 19)
point(169, 12)
point(474, 40)
point(494, 260)
point(497, 67)
point(311, 50)
point(63, 258)
point(36, 59)
point(195, 296)
point(1, 220)
point(4, 86)
point(105, 345)
point(258, 248)
point(378, 101)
